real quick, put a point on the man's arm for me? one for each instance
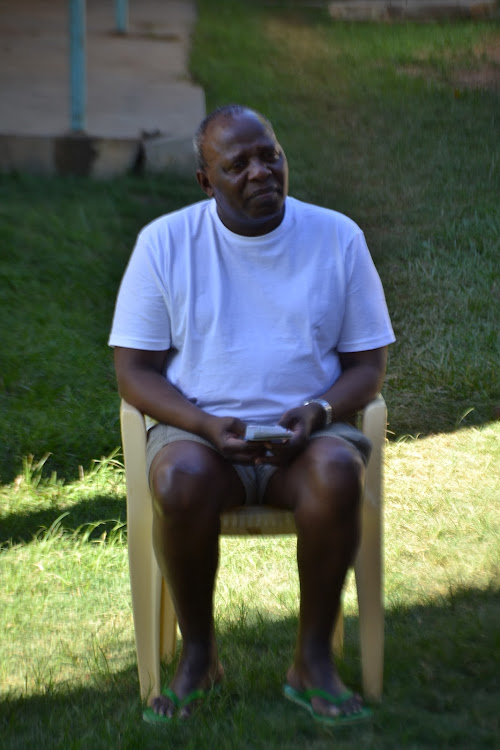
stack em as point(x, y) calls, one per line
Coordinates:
point(361, 380)
point(141, 383)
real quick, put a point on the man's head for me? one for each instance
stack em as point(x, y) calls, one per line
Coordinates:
point(242, 166)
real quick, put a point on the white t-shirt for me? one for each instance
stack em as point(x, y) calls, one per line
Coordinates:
point(253, 324)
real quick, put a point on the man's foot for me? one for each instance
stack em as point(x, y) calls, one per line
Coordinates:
point(190, 686)
point(327, 699)
point(154, 717)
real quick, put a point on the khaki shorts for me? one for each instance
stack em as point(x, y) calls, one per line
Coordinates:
point(254, 478)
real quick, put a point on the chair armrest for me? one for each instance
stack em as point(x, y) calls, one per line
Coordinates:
point(134, 437)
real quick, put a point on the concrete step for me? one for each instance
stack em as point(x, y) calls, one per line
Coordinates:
point(142, 108)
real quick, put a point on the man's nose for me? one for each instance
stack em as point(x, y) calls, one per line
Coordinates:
point(258, 169)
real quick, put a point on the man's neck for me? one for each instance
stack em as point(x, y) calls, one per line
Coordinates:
point(254, 228)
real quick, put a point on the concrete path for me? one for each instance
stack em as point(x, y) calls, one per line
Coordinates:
point(142, 108)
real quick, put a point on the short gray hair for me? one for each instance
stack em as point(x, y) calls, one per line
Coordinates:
point(226, 110)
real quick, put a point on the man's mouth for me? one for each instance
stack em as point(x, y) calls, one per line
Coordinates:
point(271, 190)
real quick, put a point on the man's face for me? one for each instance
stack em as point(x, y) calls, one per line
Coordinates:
point(246, 173)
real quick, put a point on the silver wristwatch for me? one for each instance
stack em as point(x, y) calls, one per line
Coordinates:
point(326, 407)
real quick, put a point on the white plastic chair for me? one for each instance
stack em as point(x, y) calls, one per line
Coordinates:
point(155, 621)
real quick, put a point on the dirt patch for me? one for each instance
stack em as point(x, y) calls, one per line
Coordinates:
point(411, 10)
point(486, 77)
point(490, 50)
point(482, 72)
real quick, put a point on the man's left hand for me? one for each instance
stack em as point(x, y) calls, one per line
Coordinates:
point(301, 421)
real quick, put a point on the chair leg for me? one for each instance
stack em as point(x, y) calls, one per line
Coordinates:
point(369, 564)
point(145, 583)
point(145, 578)
point(168, 625)
point(368, 571)
point(338, 634)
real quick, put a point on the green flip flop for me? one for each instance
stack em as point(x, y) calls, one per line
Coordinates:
point(153, 718)
point(303, 698)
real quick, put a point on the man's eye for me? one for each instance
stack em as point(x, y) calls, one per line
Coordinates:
point(274, 155)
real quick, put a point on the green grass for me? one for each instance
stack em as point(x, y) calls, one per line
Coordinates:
point(376, 123)
point(65, 244)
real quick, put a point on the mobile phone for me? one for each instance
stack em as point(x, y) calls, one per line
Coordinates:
point(267, 433)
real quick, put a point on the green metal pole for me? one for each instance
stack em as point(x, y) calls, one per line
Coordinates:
point(121, 16)
point(78, 76)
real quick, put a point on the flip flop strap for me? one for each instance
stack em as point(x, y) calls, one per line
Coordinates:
point(168, 693)
point(320, 693)
point(182, 702)
point(193, 696)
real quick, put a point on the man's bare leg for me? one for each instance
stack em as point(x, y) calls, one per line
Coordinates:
point(191, 485)
point(323, 487)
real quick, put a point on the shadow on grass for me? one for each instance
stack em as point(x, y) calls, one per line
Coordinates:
point(441, 690)
point(22, 526)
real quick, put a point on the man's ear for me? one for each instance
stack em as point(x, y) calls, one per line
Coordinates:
point(204, 183)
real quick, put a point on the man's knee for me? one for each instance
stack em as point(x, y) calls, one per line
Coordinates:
point(336, 464)
point(334, 474)
point(185, 480)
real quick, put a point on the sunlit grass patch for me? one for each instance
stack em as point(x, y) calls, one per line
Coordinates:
point(441, 511)
point(65, 606)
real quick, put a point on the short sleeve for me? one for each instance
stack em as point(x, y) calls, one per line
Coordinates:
point(141, 318)
point(366, 324)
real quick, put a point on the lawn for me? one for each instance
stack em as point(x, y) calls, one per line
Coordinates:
point(380, 122)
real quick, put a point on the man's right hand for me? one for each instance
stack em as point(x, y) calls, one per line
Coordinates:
point(227, 434)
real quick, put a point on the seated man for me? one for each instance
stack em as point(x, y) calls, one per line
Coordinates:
point(252, 307)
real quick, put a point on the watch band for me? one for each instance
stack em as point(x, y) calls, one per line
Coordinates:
point(326, 407)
